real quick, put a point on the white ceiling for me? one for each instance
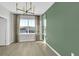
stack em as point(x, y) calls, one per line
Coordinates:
point(40, 7)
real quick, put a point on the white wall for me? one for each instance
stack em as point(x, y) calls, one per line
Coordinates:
point(2, 31)
point(11, 28)
point(9, 17)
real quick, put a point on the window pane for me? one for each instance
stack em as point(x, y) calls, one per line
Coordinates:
point(23, 22)
point(27, 25)
point(23, 30)
point(23, 26)
point(31, 29)
point(32, 23)
point(32, 26)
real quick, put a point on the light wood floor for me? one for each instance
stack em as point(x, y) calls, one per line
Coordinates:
point(37, 48)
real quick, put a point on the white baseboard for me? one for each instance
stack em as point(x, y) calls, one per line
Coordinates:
point(53, 49)
point(7, 43)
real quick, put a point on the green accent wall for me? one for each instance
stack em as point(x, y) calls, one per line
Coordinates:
point(63, 27)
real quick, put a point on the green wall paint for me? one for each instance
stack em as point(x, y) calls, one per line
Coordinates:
point(63, 27)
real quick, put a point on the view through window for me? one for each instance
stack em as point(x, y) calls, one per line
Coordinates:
point(27, 25)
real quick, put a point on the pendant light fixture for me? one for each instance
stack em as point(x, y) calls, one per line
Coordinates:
point(25, 8)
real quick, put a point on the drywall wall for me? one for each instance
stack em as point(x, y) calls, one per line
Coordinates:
point(7, 15)
point(12, 27)
point(2, 31)
point(63, 27)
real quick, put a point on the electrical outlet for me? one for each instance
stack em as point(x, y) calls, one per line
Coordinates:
point(72, 54)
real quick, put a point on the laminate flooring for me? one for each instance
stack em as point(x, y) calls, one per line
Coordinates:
point(36, 48)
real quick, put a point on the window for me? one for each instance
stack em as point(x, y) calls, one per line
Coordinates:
point(27, 25)
point(31, 26)
point(23, 22)
point(23, 26)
